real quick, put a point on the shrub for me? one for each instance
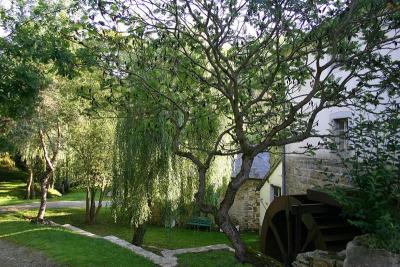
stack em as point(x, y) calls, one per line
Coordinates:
point(7, 162)
point(373, 167)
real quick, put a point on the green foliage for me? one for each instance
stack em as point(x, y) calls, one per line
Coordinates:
point(92, 143)
point(373, 164)
point(142, 161)
point(34, 44)
point(6, 162)
point(54, 193)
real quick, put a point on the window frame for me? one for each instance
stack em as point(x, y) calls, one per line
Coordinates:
point(279, 190)
point(340, 130)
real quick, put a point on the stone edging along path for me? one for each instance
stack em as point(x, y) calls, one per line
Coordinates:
point(168, 258)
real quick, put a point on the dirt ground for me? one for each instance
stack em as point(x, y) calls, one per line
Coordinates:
point(12, 255)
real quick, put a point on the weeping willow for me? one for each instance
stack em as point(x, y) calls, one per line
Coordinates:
point(142, 161)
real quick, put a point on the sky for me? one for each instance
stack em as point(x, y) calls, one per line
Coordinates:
point(4, 4)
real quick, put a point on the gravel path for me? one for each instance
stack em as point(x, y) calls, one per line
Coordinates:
point(12, 255)
point(50, 205)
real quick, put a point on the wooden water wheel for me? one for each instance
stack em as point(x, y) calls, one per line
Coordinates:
point(298, 223)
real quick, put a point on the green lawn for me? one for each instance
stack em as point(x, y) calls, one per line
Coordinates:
point(12, 189)
point(159, 237)
point(63, 243)
point(13, 192)
point(65, 247)
point(156, 236)
point(58, 244)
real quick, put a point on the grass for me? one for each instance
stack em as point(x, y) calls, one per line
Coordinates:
point(12, 192)
point(65, 247)
point(59, 244)
point(156, 236)
point(221, 258)
point(159, 237)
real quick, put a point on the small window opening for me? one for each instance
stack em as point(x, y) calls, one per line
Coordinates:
point(340, 131)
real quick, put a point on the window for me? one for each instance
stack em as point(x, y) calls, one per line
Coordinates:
point(275, 192)
point(340, 131)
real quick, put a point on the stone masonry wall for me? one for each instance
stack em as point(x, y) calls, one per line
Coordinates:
point(246, 209)
point(303, 173)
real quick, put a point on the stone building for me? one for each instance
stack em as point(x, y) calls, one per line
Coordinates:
point(245, 211)
point(302, 171)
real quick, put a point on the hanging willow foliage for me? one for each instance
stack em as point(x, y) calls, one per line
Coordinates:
point(142, 161)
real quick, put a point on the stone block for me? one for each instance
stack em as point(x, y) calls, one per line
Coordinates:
point(358, 255)
point(318, 258)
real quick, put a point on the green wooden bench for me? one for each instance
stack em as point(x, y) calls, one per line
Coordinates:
point(198, 222)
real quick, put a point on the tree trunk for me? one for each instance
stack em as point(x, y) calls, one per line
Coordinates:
point(92, 205)
point(44, 187)
point(138, 235)
point(50, 165)
point(100, 204)
point(223, 218)
point(33, 192)
point(87, 213)
point(233, 235)
point(29, 184)
point(52, 180)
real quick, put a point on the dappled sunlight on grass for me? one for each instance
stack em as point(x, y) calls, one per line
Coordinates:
point(25, 231)
point(156, 236)
point(65, 247)
point(11, 192)
point(50, 213)
point(13, 226)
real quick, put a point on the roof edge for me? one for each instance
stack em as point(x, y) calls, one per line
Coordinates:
point(266, 179)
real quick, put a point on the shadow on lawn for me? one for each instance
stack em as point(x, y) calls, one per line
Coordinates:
point(156, 236)
point(12, 189)
point(12, 226)
point(59, 244)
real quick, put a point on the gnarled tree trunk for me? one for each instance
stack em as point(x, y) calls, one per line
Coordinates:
point(223, 218)
point(44, 187)
point(45, 179)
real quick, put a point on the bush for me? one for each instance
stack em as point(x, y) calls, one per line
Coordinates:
point(6, 162)
point(53, 193)
point(373, 167)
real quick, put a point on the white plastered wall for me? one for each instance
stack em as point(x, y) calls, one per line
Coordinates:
point(265, 192)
